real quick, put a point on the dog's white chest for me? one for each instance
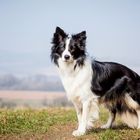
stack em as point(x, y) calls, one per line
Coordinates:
point(76, 82)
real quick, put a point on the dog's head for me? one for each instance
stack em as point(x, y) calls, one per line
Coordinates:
point(68, 49)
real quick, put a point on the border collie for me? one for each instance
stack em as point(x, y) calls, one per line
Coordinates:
point(88, 82)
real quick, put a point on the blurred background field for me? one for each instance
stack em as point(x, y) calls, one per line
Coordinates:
point(32, 99)
point(26, 31)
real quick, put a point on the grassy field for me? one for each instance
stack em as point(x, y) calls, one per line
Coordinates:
point(55, 124)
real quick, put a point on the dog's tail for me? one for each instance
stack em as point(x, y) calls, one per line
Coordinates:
point(118, 90)
point(130, 118)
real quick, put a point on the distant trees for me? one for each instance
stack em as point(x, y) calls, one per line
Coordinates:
point(58, 102)
point(7, 104)
point(36, 82)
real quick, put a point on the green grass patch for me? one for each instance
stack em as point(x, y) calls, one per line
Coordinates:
point(33, 121)
point(56, 123)
point(109, 135)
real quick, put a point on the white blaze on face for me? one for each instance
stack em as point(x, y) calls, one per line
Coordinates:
point(66, 51)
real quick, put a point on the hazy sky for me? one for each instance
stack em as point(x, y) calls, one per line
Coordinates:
point(27, 26)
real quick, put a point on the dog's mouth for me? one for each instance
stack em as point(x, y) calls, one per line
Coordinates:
point(68, 61)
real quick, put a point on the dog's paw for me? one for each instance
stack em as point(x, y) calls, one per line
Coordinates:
point(77, 133)
point(105, 126)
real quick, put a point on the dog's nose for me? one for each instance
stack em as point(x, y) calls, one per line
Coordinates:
point(67, 57)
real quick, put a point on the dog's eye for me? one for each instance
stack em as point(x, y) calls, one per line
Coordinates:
point(72, 47)
point(62, 45)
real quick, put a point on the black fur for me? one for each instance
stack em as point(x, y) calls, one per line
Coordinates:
point(111, 81)
point(57, 41)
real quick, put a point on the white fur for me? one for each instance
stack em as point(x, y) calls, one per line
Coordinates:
point(66, 51)
point(134, 105)
point(130, 119)
point(130, 102)
point(77, 84)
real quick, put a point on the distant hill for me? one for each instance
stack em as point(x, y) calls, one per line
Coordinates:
point(36, 82)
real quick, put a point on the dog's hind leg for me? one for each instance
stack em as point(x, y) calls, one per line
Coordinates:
point(135, 117)
point(138, 115)
point(111, 119)
point(138, 102)
point(93, 114)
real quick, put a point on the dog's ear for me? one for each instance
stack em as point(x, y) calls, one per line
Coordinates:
point(80, 39)
point(81, 36)
point(60, 31)
point(58, 36)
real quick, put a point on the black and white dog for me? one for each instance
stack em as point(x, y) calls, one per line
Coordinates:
point(88, 82)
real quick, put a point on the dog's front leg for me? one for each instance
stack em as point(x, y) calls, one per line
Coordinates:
point(83, 122)
point(78, 108)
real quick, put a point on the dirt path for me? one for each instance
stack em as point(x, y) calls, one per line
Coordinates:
point(64, 132)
